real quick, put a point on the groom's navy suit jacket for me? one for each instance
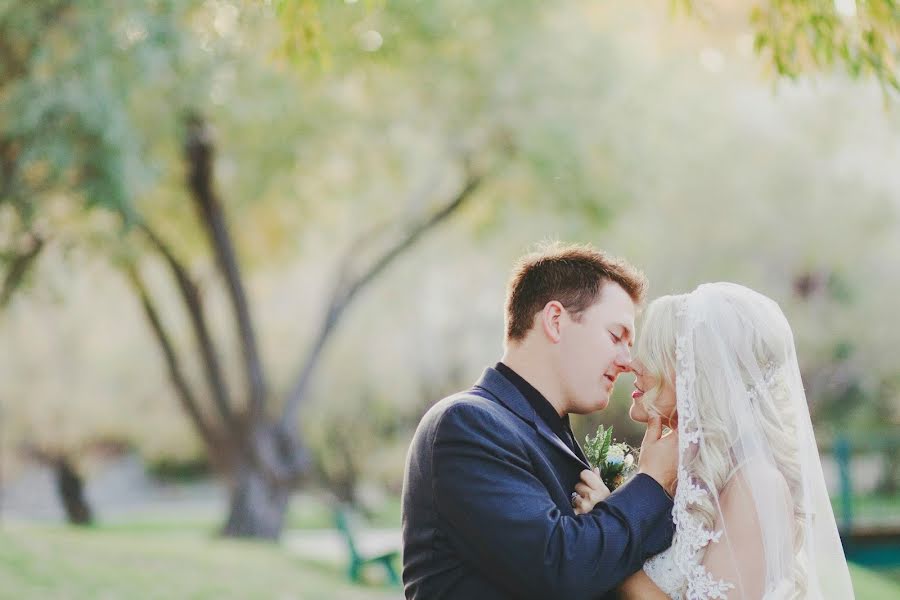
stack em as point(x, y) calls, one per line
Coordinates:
point(487, 513)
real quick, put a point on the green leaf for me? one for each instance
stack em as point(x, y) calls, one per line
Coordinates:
point(596, 448)
point(604, 450)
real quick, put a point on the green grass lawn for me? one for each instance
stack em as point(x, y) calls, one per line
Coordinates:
point(105, 563)
point(138, 563)
point(875, 585)
point(308, 512)
point(878, 508)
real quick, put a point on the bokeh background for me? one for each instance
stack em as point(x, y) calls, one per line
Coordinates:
point(244, 246)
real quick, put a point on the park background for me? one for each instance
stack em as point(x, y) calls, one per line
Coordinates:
point(244, 245)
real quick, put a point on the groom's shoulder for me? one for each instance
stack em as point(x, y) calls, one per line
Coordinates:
point(472, 406)
point(472, 401)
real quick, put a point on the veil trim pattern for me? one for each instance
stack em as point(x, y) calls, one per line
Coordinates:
point(691, 536)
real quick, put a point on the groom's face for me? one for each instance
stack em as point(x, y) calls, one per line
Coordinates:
point(596, 349)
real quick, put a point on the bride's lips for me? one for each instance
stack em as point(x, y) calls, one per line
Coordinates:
point(637, 393)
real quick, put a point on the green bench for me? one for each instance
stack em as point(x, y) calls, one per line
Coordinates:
point(348, 524)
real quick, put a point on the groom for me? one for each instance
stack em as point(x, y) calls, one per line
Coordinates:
point(487, 492)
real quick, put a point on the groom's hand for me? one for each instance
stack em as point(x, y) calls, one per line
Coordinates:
point(659, 455)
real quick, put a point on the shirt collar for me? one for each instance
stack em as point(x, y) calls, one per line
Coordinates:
point(541, 405)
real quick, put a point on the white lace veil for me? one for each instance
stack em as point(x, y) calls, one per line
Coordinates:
point(752, 514)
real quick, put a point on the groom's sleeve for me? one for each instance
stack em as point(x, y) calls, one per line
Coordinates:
point(502, 520)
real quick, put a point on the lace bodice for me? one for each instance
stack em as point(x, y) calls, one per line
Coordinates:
point(662, 570)
point(668, 577)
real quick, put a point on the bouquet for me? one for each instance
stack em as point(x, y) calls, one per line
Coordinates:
point(617, 460)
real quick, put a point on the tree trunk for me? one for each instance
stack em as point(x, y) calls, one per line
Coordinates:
point(258, 505)
point(71, 491)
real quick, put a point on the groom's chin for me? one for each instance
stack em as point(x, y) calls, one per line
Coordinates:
point(587, 407)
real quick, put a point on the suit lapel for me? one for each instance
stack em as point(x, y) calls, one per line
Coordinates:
point(548, 434)
point(509, 396)
point(580, 451)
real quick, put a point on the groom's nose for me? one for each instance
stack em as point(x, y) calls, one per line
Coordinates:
point(623, 360)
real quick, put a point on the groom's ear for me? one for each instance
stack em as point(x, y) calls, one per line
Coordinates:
point(551, 320)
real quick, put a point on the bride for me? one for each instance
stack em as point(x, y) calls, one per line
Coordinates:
point(752, 516)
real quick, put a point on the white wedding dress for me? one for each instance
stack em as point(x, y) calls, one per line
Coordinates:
point(765, 530)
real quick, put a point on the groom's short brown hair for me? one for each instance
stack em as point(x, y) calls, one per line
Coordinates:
point(572, 274)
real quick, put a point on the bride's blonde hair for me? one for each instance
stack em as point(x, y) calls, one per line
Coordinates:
point(713, 463)
point(656, 346)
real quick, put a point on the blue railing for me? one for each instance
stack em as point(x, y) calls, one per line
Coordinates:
point(871, 535)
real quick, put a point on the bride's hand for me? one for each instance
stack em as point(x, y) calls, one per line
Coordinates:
point(588, 492)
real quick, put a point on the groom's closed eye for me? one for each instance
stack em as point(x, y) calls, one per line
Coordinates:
point(622, 334)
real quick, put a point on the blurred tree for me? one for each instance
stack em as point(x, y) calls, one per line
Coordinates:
point(794, 36)
point(71, 490)
point(92, 160)
point(64, 131)
point(69, 482)
point(863, 36)
point(78, 132)
point(800, 36)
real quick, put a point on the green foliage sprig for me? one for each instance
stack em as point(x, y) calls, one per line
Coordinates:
point(616, 460)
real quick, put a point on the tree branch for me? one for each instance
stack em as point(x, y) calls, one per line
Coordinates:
point(185, 394)
point(190, 294)
point(199, 155)
point(345, 294)
point(376, 232)
point(19, 266)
